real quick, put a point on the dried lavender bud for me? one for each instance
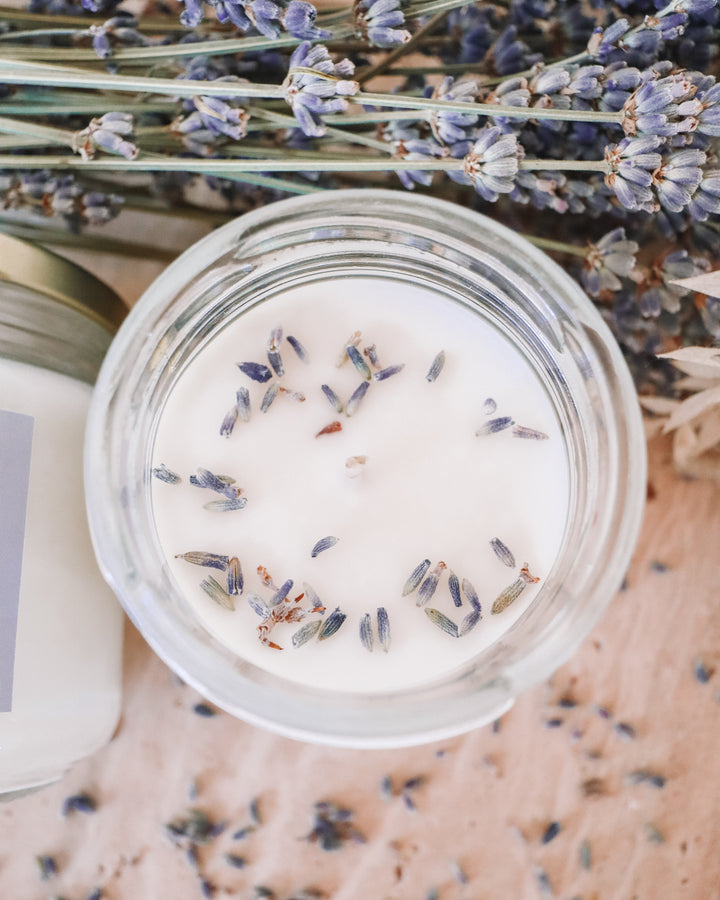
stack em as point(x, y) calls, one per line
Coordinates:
point(502, 553)
point(47, 867)
point(255, 371)
point(653, 834)
point(306, 632)
point(429, 585)
point(366, 632)
point(436, 367)
point(242, 397)
point(356, 358)
point(81, 802)
point(228, 423)
point(269, 396)
point(323, 544)
point(301, 352)
point(227, 505)
point(702, 673)
point(489, 406)
point(551, 832)
point(530, 434)
point(237, 862)
point(273, 351)
point(645, 776)
point(383, 627)
point(201, 558)
point(624, 731)
point(258, 605)
point(471, 594)
point(454, 585)
point(217, 593)
point(493, 426)
point(511, 593)
point(332, 624)
point(416, 576)
point(586, 855)
point(235, 580)
point(281, 592)
point(254, 811)
point(332, 397)
point(204, 710)
point(162, 473)
point(469, 622)
point(388, 372)
point(442, 621)
point(356, 398)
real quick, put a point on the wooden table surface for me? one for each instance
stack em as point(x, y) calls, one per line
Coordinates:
point(630, 774)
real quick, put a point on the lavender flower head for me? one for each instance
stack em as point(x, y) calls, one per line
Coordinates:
point(106, 133)
point(323, 90)
point(267, 17)
point(632, 162)
point(378, 22)
point(120, 30)
point(678, 178)
point(612, 256)
point(492, 163)
point(212, 118)
point(451, 127)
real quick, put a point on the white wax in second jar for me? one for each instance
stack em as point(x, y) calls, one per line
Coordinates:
point(430, 487)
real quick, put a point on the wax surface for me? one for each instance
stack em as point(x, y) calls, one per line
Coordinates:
point(430, 487)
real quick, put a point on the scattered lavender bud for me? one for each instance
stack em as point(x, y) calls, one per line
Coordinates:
point(494, 425)
point(383, 627)
point(388, 372)
point(96, 894)
point(217, 593)
point(201, 558)
point(530, 434)
point(332, 397)
point(645, 776)
point(47, 867)
point(436, 367)
point(228, 423)
point(702, 673)
point(454, 585)
point(551, 832)
point(567, 703)
point(306, 632)
point(386, 789)
point(543, 882)
point(254, 811)
point(603, 712)
point(416, 576)
point(553, 723)
point(281, 593)
point(356, 398)
point(332, 624)
point(255, 371)
point(441, 620)
point(237, 862)
point(625, 731)
point(458, 873)
point(429, 585)
point(489, 406)
point(356, 358)
point(659, 567)
point(81, 802)
point(204, 710)
point(503, 553)
point(162, 473)
point(323, 544)
point(586, 855)
point(242, 398)
point(469, 622)
point(471, 594)
point(269, 397)
point(371, 353)
point(228, 505)
point(301, 352)
point(207, 888)
point(366, 632)
point(273, 351)
point(653, 834)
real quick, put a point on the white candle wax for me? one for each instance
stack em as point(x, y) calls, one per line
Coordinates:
point(430, 486)
point(63, 687)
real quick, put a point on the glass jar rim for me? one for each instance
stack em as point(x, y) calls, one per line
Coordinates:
point(192, 274)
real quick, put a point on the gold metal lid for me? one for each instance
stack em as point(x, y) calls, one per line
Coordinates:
point(40, 270)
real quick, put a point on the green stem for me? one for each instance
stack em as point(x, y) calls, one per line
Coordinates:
point(43, 132)
point(39, 32)
point(557, 246)
point(91, 108)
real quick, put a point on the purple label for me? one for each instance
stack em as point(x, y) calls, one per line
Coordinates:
point(15, 445)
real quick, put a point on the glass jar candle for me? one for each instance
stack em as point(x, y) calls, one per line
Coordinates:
point(60, 626)
point(363, 466)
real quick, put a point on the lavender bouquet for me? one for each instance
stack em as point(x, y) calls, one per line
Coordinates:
point(593, 122)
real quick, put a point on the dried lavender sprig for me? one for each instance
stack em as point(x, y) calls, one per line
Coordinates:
point(332, 624)
point(454, 585)
point(300, 351)
point(436, 367)
point(332, 397)
point(162, 473)
point(442, 621)
point(383, 627)
point(323, 544)
point(217, 593)
point(494, 425)
point(306, 632)
point(429, 585)
point(356, 398)
point(366, 632)
point(201, 558)
point(416, 576)
point(503, 553)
